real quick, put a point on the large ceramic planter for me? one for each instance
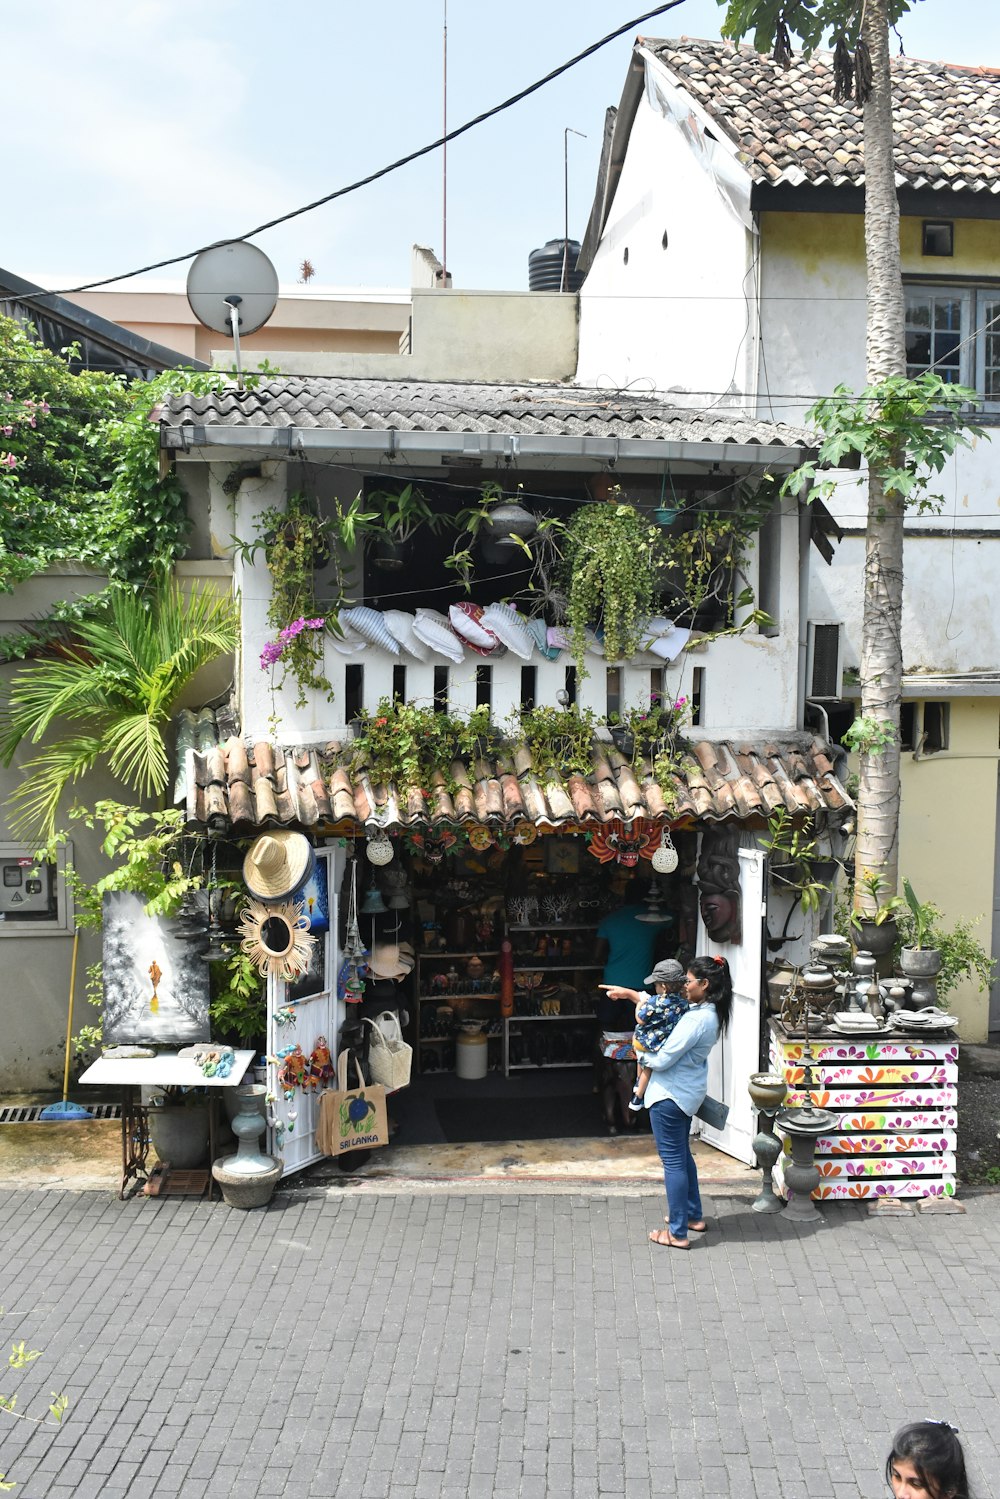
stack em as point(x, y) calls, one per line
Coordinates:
point(767, 1090)
point(920, 962)
point(876, 938)
point(179, 1135)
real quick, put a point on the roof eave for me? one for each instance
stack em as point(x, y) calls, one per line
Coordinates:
point(204, 442)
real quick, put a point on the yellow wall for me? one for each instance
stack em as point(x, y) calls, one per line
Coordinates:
point(824, 242)
point(947, 823)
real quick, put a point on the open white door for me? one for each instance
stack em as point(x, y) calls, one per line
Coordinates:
point(315, 1012)
point(737, 1053)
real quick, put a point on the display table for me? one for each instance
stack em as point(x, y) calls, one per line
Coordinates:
point(896, 1101)
point(165, 1070)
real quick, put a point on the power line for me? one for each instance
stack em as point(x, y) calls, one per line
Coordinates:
point(394, 166)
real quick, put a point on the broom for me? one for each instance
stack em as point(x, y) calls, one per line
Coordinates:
point(54, 1112)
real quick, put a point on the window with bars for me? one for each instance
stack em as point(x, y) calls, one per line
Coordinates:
point(955, 331)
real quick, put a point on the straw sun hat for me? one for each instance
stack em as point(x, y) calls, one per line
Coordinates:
point(278, 863)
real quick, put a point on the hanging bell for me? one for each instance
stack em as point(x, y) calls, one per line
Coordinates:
point(379, 848)
point(666, 859)
point(373, 904)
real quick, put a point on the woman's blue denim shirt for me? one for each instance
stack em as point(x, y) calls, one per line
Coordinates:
point(680, 1067)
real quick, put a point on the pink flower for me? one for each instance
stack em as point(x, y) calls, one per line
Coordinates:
point(270, 654)
point(7, 460)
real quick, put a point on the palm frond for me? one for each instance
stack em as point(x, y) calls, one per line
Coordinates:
point(35, 803)
point(137, 753)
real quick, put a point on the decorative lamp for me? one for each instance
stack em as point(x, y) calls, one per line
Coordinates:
point(666, 859)
point(379, 848)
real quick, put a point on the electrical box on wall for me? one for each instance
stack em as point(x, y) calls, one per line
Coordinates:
point(34, 897)
point(26, 888)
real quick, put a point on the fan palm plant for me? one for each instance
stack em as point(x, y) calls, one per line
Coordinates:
point(109, 695)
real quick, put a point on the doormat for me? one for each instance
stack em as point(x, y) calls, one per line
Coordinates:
point(464, 1121)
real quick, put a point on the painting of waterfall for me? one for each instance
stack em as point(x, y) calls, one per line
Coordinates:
point(155, 984)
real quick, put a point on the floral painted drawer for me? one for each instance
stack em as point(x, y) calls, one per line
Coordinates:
point(897, 1108)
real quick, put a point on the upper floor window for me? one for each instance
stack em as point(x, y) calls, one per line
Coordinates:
point(955, 331)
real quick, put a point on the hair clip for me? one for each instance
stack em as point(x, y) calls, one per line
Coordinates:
point(932, 1421)
point(721, 961)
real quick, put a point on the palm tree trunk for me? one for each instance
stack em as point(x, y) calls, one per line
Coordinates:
point(881, 647)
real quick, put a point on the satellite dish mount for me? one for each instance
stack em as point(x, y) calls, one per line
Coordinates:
point(232, 288)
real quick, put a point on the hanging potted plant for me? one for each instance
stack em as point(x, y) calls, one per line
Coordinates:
point(610, 573)
point(401, 513)
point(794, 861)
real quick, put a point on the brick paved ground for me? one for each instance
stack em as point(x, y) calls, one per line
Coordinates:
point(435, 1346)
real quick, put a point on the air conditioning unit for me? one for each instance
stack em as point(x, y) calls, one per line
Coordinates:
point(824, 660)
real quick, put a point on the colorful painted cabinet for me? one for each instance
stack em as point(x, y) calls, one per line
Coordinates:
point(897, 1105)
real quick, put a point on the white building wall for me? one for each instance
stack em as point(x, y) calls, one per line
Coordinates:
point(673, 317)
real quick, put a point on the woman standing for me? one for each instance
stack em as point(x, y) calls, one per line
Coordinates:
point(677, 1090)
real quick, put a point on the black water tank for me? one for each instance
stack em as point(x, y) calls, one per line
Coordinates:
point(545, 266)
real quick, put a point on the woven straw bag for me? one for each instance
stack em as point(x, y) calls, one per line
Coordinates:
point(389, 1056)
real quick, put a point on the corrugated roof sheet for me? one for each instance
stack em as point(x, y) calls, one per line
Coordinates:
point(789, 129)
point(329, 403)
point(247, 786)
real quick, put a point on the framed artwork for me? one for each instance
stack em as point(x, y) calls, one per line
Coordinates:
point(561, 855)
point(155, 983)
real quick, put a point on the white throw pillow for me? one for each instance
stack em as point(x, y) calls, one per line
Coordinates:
point(466, 621)
point(434, 630)
point(401, 625)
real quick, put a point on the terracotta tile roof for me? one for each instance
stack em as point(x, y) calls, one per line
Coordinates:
point(233, 785)
point(789, 129)
point(333, 404)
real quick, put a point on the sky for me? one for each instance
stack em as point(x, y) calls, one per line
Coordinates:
point(134, 132)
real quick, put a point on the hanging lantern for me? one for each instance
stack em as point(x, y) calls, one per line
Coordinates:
point(666, 859)
point(379, 849)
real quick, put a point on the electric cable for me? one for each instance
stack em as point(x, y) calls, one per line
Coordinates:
point(402, 161)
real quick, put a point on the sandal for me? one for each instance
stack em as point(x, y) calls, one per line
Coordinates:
point(695, 1228)
point(656, 1237)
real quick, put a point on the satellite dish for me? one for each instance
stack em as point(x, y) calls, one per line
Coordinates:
point(228, 276)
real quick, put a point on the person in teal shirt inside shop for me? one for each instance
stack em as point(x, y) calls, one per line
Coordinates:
point(628, 947)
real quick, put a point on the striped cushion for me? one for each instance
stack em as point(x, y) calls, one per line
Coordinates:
point(511, 627)
point(370, 624)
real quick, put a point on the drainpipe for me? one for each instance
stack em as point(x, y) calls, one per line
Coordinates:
point(803, 650)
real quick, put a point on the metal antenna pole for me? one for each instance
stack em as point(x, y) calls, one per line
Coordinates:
point(565, 260)
point(444, 158)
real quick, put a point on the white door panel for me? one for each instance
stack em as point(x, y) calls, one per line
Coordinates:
point(736, 1054)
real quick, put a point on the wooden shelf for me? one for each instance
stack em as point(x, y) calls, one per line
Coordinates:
point(442, 999)
point(429, 955)
point(545, 1066)
point(555, 926)
point(558, 967)
point(522, 1019)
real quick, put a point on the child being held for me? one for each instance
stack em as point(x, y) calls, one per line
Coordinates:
point(656, 1015)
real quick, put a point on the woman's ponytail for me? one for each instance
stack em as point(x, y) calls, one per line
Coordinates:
point(720, 986)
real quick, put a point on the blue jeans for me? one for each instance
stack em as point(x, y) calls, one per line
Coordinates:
point(671, 1131)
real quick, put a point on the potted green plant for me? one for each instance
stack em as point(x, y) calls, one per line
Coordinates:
point(400, 514)
point(874, 929)
point(922, 931)
point(795, 863)
point(919, 958)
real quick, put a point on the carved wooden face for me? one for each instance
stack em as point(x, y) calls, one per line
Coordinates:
point(626, 843)
point(720, 911)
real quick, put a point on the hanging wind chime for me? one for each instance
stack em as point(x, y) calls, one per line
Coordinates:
point(352, 985)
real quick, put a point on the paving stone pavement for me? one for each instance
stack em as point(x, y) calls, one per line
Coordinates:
point(515, 1345)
